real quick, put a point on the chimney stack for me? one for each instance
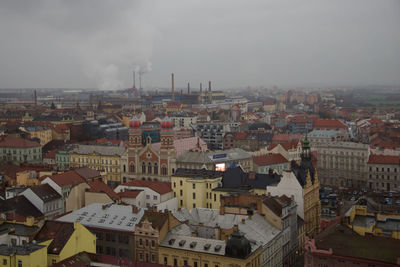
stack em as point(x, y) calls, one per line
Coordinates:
point(35, 98)
point(140, 80)
point(201, 87)
point(173, 87)
point(188, 88)
point(134, 80)
point(209, 86)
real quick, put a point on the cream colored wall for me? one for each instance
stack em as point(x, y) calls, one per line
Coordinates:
point(94, 197)
point(76, 198)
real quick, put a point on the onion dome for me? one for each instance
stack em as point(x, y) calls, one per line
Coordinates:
point(134, 122)
point(238, 246)
point(167, 123)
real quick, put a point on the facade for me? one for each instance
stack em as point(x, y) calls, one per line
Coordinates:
point(64, 239)
point(213, 132)
point(383, 172)
point(193, 188)
point(155, 194)
point(302, 182)
point(183, 120)
point(19, 150)
point(45, 199)
point(29, 255)
point(150, 232)
point(143, 162)
point(318, 137)
point(113, 225)
point(105, 158)
point(43, 133)
point(62, 157)
point(343, 163)
point(218, 160)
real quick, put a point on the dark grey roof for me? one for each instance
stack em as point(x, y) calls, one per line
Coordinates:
point(193, 173)
point(259, 125)
point(236, 177)
point(19, 229)
point(21, 206)
point(45, 192)
point(19, 250)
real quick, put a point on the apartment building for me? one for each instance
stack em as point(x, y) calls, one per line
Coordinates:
point(383, 172)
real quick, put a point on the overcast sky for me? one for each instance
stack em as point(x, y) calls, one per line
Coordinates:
point(288, 43)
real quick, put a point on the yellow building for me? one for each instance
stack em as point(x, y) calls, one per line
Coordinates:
point(178, 250)
point(29, 255)
point(64, 239)
point(363, 222)
point(104, 158)
point(193, 188)
point(43, 133)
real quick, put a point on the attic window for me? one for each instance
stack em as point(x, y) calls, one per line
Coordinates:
point(182, 243)
point(193, 244)
point(171, 241)
point(217, 248)
point(102, 221)
point(207, 246)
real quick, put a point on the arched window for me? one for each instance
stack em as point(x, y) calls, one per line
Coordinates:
point(143, 167)
point(149, 168)
point(132, 167)
point(136, 141)
point(124, 168)
point(155, 168)
point(164, 170)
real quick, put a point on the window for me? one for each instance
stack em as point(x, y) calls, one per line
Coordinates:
point(194, 195)
point(175, 262)
point(149, 168)
point(131, 167)
point(20, 263)
point(4, 262)
point(108, 237)
point(155, 168)
point(194, 186)
point(140, 242)
point(147, 243)
point(185, 263)
point(141, 256)
point(174, 185)
point(180, 182)
point(99, 249)
point(165, 260)
point(181, 202)
point(153, 257)
point(164, 170)
point(143, 167)
point(215, 197)
point(153, 243)
point(147, 196)
point(154, 197)
point(181, 192)
point(194, 205)
point(195, 264)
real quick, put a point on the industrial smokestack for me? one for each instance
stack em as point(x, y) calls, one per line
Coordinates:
point(140, 80)
point(188, 88)
point(173, 86)
point(35, 95)
point(134, 80)
point(201, 87)
point(209, 86)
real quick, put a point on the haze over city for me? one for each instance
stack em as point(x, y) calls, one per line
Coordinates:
point(97, 43)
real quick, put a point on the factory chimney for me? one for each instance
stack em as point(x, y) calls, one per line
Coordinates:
point(209, 86)
point(140, 80)
point(188, 88)
point(201, 88)
point(134, 80)
point(173, 87)
point(35, 95)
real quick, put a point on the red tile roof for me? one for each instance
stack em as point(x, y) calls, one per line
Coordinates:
point(67, 178)
point(129, 193)
point(286, 137)
point(290, 145)
point(383, 159)
point(98, 186)
point(323, 123)
point(88, 173)
point(51, 154)
point(159, 187)
point(240, 135)
point(60, 232)
point(16, 142)
point(269, 159)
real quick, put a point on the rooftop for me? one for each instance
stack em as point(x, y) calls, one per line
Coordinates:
point(27, 249)
point(217, 156)
point(67, 178)
point(383, 159)
point(15, 142)
point(98, 186)
point(195, 173)
point(101, 150)
point(344, 241)
point(329, 123)
point(45, 192)
point(59, 232)
point(269, 159)
point(106, 216)
point(159, 187)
